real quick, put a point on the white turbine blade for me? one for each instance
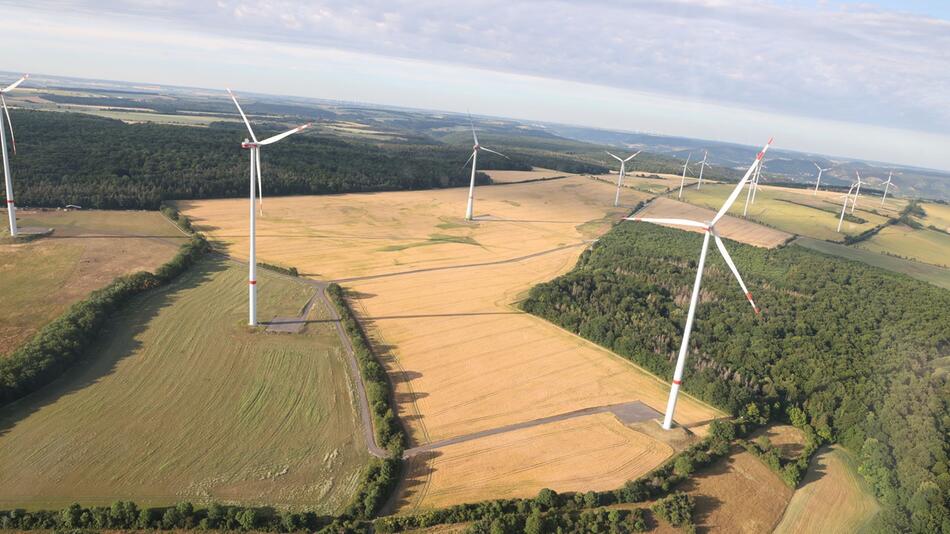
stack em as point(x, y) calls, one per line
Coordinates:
point(817, 167)
point(735, 192)
point(278, 137)
point(9, 122)
point(15, 84)
point(472, 123)
point(728, 258)
point(468, 160)
point(677, 222)
point(613, 156)
point(633, 156)
point(243, 116)
point(260, 186)
point(493, 152)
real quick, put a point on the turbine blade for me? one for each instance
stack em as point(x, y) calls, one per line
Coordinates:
point(9, 122)
point(735, 192)
point(472, 124)
point(677, 222)
point(493, 152)
point(613, 156)
point(278, 137)
point(817, 167)
point(260, 186)
point(243, 116)
point(631, 157)
point(15, 84)
point(732, 266)
point(468, 160)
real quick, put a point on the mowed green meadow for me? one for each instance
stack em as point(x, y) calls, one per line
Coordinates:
point(180, 400)
point(931, 274)
point(923, 244)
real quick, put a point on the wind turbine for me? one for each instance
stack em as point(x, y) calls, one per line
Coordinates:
point(623, 169)
point(702, 167)
point(7, 174)
point(820, 170)
point(474, 159)
point(857, 192)
point(844, 207)
point(709, 229)
point(753, 186)
point(683, 179)
point(254, 146)
point(887, 186)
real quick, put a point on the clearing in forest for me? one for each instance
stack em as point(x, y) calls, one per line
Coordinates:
point(437, 295)
point(39, 279)
point(180, 401)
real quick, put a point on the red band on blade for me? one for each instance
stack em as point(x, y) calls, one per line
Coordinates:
point(252, 282)
point(677, 382)
point(749, 296)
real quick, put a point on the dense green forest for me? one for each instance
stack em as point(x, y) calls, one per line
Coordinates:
point(863, 352)
point(71, 158)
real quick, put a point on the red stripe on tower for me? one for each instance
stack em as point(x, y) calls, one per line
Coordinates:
point(677, 382)
point(252, 282)
point(9, 202)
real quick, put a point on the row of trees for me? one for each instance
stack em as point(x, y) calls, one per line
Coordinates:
point(861, 352)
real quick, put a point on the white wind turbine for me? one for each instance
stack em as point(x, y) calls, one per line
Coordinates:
point(623, 169)
point(474, 159)
point(820, 170)
point(254, 146)
point(753, 188)
point(857, 192)
point(709, 230)
point(7, 173)
point(887, 186)
point(683, 179)
point(702, 167)
point(845, 206)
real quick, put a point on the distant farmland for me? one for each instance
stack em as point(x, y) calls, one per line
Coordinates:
point(179, 401)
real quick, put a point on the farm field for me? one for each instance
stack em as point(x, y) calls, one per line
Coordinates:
point(832, 497)
point(640, 182)
point(738, 494)
point(788, 440)
point(537, 173)
point(923, 245)
point(436, 295)
point(41, 278)
point(729, 227)
point(182, 402)
point(932, 274)
point(937, 215)
point(795, 211)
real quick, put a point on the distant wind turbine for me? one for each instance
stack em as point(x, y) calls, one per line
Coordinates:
point(7, 173)
point(845, 206)
point(753, 187)
point(474, 159)
point(702, 167)
point(254, 146)
point(857, 192)
point(818, 181)
point(623, 169)
point(887, 186)
point(709, 230)
point(683, 179)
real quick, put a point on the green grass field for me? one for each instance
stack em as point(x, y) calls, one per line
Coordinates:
point(923, 245)
point(39, 279)
point(931, 274)
point(180, 401)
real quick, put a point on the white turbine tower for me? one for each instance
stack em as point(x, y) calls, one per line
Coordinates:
point(7, 173)
point(709, 230)
point(623, 169)
point(844, 207)
point(702, 167)
point(857, 192)
point(820, 170)
point(887, 186)
point(254, 148)
point(474, 159)
point(683, 179)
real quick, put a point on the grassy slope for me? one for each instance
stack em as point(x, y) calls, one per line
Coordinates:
point(923, 245)
point(926, 273)
point(182, 402)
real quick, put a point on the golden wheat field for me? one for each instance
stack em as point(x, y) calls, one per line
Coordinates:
point(436, 294)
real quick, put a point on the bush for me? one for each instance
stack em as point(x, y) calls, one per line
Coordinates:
point(677, 509)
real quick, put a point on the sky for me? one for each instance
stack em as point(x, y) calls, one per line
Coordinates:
point(866, 79)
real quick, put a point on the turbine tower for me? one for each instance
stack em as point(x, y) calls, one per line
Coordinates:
point(818, 181)
point(474, 159)
point(623, 169)
point(844, 207)
point(254, 148)
point(7, 173)
point(887, 186)
point(857, 192)
point(709, 229)
point(683, 179)
point(702, 167)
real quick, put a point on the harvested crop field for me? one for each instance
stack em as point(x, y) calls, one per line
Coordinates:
point(832, 498)
point(788, 440)
point(436, 294)
point(182, 402)
point(738, 494)
point(728, 227)
point(87, 250)
point(537, 173)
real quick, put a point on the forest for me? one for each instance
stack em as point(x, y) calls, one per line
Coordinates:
point(94, 162)
point(860, 352)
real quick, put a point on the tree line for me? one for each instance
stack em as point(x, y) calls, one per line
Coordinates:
point(860, 351)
